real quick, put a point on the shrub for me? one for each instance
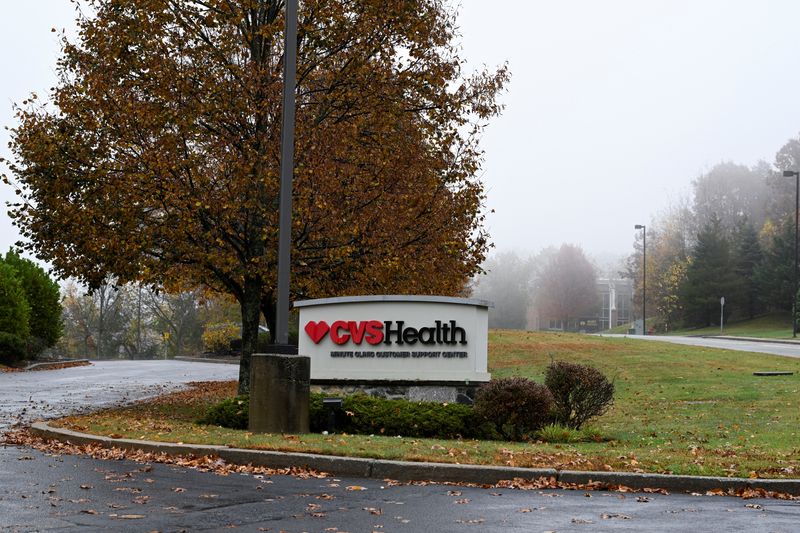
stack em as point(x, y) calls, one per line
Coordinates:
point(217, 337)
point(580, 392)
point(231, 413)
point(264, 341)
point(366, 415)
point(43, 297)
point(14, 308)
point(12, 348)
point(370, 415)
point(516, 407)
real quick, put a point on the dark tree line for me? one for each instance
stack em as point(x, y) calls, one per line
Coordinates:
point(734, 238)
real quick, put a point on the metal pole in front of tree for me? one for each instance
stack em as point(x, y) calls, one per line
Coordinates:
point(281, 333)
point(644, 276)
point(796, 175)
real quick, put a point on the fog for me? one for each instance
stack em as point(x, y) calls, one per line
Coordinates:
point(613, 107)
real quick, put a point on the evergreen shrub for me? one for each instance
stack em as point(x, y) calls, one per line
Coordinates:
point(367, 415)
point(230, 413)
point(12, 348)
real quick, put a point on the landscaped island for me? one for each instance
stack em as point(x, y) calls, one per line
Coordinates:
point(678, 409)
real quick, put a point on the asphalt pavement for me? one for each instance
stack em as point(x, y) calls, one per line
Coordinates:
point(45, 394)
point(783, 348)
point(76, 493)
point(43, 492)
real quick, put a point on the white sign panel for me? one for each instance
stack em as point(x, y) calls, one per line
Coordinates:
point(396, 338)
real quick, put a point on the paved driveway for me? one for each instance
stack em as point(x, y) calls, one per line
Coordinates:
point(28, 396)
point(774, 348)
point(82, 494)
point(44, 492)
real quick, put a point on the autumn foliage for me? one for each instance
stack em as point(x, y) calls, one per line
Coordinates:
point(156, 157)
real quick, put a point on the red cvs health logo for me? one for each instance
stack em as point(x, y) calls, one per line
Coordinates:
point(342, 331)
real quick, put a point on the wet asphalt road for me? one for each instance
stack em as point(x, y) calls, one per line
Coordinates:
point(41, 492)
point(774, 348)
point(29, 396)
point(79, 494)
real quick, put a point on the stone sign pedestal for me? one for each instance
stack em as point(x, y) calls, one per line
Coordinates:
point(279, 393)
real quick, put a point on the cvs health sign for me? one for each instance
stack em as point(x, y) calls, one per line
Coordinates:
point(395, 338)
point(377, 332)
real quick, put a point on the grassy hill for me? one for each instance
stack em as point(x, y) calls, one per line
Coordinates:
point(772, 326)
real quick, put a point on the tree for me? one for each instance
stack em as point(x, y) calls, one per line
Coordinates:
point(669, 240)
point(160, 162)
point(783, 189)
point(99, 322)
point(44, 299)
point(177, 314)
point(732, 193)
point(709, 277)
point(568, 285)
point(507, 283)
point(14, 308)
point(774, 273)
point(747, 258)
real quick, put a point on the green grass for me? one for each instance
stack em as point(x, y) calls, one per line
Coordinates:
point(623, 329)
point(678, 409)
point(773, 326)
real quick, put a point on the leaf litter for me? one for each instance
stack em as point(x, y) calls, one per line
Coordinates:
point(210, 463)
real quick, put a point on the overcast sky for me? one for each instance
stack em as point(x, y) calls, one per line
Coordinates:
point(613, 107)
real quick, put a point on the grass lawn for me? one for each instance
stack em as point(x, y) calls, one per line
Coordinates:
point(773, 326)
point(678, 409)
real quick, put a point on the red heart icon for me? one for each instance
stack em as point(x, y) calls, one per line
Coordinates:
point(317, 330)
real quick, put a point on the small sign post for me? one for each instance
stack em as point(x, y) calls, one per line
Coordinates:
point(721, 312)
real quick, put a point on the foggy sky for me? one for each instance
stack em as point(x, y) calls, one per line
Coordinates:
point(613, 107)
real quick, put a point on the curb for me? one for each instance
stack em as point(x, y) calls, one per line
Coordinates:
point(55, 363)
point(228, 361)
point(413, 471)
point(750, 339)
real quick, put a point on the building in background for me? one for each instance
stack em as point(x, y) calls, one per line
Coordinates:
point(615, 308)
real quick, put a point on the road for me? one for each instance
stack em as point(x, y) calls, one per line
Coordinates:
point(774, 348)
point(80, 494)
point(28, 396)
point(44, 492)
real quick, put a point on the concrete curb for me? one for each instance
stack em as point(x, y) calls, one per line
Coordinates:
point(55, 363)
point(412, 471)
point(220, 360)
point(750, 339)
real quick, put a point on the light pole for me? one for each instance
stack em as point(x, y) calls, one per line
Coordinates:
point(644, 276)
point(796, 175)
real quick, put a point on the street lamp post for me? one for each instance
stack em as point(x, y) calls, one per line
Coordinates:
point(796, 175)
point(644, 276)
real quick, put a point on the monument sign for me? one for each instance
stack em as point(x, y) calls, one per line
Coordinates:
point(395, 338)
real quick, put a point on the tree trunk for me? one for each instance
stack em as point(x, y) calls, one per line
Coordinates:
point(251, 311)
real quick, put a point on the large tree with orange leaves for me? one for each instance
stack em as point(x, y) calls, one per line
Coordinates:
point(156, 158)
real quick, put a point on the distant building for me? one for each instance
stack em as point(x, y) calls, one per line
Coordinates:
point(616, 304)
point(614, 309)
